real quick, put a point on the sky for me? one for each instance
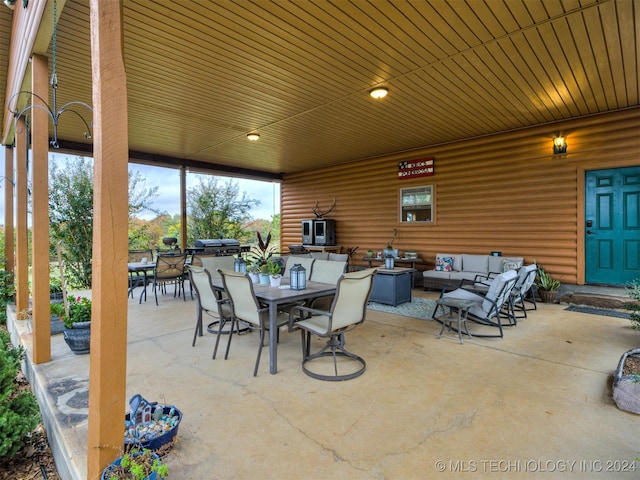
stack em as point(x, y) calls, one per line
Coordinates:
point(168, 181)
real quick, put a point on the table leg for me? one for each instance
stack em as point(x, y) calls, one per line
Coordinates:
point(273, 338)
point(144, 288)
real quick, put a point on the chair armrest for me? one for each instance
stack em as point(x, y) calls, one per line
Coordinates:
point(309, 311)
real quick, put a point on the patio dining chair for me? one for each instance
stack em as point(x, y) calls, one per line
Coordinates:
point(245, 307)
point(488, 303)
point(169, 269)
point(208, 301)
point(348, 310)
point(137, 278)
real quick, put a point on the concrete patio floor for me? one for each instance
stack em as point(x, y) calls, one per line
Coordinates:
point(536, 402)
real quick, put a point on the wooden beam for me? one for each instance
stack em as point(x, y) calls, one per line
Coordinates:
point(22, 257)
point(40, 208)
point(9, 255)
point(108, 365)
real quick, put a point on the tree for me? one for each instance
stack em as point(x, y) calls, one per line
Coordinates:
point(218, 210)
point(71, 213)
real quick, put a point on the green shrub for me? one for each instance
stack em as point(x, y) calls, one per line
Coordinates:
point(6, 292)
point(633, 290)
point(19, 413)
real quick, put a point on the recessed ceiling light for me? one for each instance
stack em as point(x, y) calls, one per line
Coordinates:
point(379, 92)
point(254, 137)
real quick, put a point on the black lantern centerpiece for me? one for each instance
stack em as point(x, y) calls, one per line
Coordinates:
point(298, 277)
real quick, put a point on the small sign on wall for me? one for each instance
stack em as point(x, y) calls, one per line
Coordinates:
point(423, 167)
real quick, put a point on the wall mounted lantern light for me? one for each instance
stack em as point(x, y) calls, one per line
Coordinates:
point(253, 137)
point(379, 92)
point(559, 145)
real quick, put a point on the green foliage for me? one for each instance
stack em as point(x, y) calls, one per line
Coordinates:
point(138, 464)
point(633, 290)
point(7, 291)
point(273, 267)
point(79, 311)
point(545, 282)
point(71, 213)
point(217, 210)
point(19, 414)
point(261, 253)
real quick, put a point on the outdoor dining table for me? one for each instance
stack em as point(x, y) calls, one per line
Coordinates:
point(141, 270)
point(274, 297)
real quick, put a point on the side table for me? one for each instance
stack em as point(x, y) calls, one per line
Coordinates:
point(455, 305)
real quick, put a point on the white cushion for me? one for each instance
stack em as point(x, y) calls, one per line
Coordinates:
point(475, 263)
point(320, 255)
point(338, 257)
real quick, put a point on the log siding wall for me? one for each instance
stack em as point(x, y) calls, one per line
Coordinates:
point(506, 192)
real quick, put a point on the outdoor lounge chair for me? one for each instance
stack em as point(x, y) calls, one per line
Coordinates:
point(488, 302)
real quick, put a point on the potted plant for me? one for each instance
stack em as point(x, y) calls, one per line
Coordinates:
point(252, 271)
point(275, 272)
point(77, 321)
point(389, 251)
point(263, 273)
point(136, 464)
point(56, 310)
point(55, 288)
point(546, 285)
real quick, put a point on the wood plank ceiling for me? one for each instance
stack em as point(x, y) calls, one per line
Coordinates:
point(202, 74)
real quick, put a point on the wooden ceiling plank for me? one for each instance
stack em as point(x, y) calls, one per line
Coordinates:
point(593, 21)
point(629, 17)
point(548, 72)
point(611, 24)
point(560, 54)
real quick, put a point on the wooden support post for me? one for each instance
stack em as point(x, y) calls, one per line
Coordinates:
point(10, 182)
point(40, 209)
point(108, 365)
point(22, 257)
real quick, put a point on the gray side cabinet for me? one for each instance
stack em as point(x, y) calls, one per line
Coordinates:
point(392, 287)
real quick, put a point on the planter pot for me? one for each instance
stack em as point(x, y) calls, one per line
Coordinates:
point(390, 252)
point(114, 466)
point(547, 296)
point(57, 325)
point(626, 388)
point(264, 279)
point(369, 254)
point(255, 278)
point(275, 280)
point(78, 337)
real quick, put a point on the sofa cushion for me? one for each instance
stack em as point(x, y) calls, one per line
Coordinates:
point(495, 264)
point(511, 263)
point(457, 259)
point(475, 263)
point(338, 257)
point(320, 255)
point(444, 264)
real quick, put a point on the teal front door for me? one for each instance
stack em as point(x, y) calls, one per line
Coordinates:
point(612, 226)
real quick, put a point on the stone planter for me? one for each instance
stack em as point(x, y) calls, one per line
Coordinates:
point(626, 388)
point(78, 337)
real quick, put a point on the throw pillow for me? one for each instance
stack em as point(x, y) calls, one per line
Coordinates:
point(506, 266)
point(444, 264)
